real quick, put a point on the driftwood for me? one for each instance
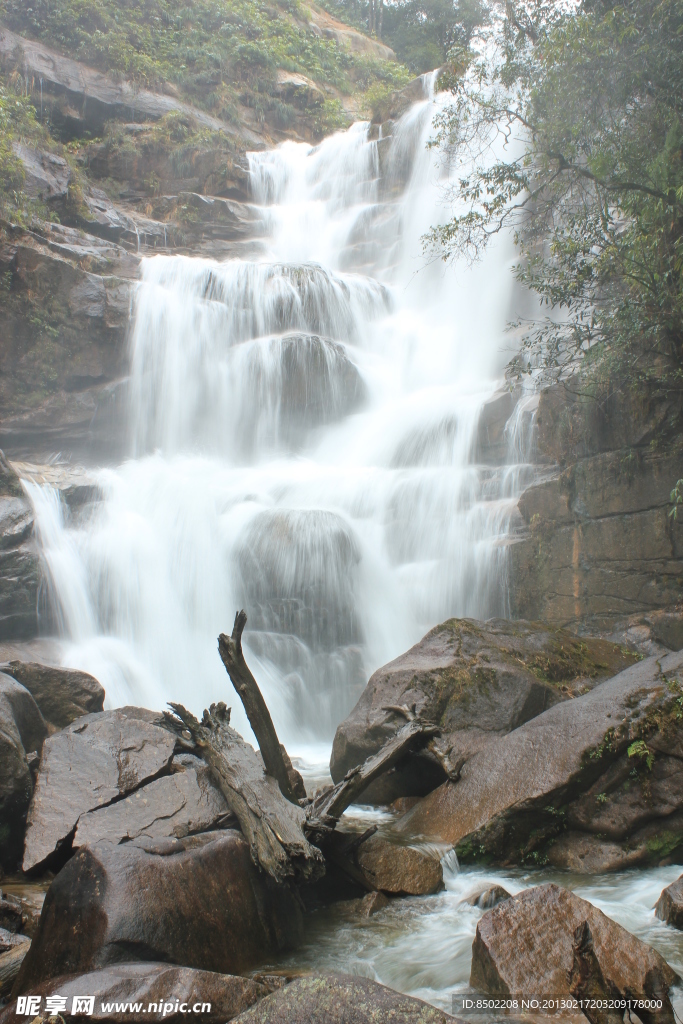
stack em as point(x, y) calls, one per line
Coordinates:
point(587, 982)
point(275, 757)
point(10, 962)
point(272, 825)
point(327, 809)
point(266, 794)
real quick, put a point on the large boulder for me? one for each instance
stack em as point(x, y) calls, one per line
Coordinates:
point(341, 999)
point(516, 796)
point(22, 731)
point(62, 694)
point(524, 947)
point(95, 760)
point(175, 805)
point(476, 680)
point(669, 906)
point(198, 902)
point(163, 986)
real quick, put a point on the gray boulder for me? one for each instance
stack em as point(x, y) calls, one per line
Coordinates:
point(22, 731)
point(398, 868)
point(62, 694)
point(477, 681)
point(524, 947)
point(516, 795)
point(341, 999)
point(198, 902)
point(95, 760)
point(145, 984)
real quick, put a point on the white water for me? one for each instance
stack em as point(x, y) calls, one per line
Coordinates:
point(302, 437)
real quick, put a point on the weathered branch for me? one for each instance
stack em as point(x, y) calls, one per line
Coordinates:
point(272, 825)
point(327, 809)
point(274, 755)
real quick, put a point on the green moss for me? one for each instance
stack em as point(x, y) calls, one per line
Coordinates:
point(663, 844)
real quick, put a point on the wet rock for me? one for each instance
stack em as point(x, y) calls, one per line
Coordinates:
point(340, 999)
point(198, 902)
point(47, 176)
point(486, 899)
point(400, 869)
point(514, 795)
point(21, 580)
point(10, 484)
point(22, 731)
point(476, 681)
point(62, 694)
point(173, 806)
point(669, 906)
point(93, 761)
point(16, 521)
point(161, 984)
point(526, 945)
point(372, 903)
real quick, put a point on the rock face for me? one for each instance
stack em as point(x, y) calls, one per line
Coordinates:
point(198, 902)
point(173, 806)
point(95, 97)
point(475, 680)
point(145, 984)
point(525, 945)
point(22, 731)
point(82, 286)
point(62, 694)
point(46, 176)
point(400, 869)
point(20, 566)
point(93, 761)
point(669, 906)
point(340, 999)
point(599, 543)
point(517, 795)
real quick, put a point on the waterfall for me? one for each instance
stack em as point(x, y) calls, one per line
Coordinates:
point(304, 443)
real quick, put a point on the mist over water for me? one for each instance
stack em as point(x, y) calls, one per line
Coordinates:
point(303, 441)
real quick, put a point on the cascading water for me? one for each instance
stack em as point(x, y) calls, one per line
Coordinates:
point(303, 431)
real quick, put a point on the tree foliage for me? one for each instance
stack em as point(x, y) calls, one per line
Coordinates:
point(421, 32)
point(571, 118)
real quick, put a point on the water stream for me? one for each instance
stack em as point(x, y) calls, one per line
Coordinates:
point(303, 443)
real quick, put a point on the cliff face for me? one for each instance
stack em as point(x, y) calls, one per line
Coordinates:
point(598, 548)
point(100, 166)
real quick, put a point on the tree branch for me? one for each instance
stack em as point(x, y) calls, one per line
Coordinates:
point(275, 757)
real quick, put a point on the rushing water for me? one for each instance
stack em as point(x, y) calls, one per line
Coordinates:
point(302, 431)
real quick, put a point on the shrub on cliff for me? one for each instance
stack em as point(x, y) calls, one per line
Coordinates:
point(588, 101)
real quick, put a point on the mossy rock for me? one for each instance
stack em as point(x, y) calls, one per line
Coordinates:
point(473, 679)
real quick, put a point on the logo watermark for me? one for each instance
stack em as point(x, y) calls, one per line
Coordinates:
point(84, 1006)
